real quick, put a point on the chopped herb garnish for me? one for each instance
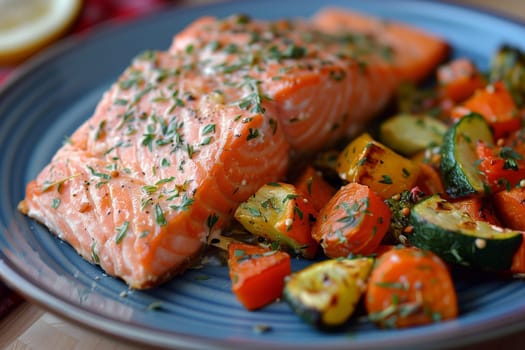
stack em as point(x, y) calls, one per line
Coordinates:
point(510, 157)
point(238, 253)
point(50, 184)
point(386, 179)
point(159, 216)
point(211, 220)
point(298, 211)
point(392, 285)
point(120, 102)
point(94, 253)
point(210, 128)
point(165, 181)
point(252, 134)
point(121, 232)
point(206, 141)
point(155, 305)
point(99, 174)
point(100, 130)
point(189, 48)
point(55, 203)
point(185, 204)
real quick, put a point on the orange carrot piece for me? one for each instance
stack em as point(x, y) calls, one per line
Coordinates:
point(354, 221)
point(510, 207)
point(496, 105)
point(516, 140)
point(518, 263)
point(384, 248)
point(458, 79)
point(257, 274)
point(312, 185)
point(409, 287)
point(429, 179)
point(477, 208)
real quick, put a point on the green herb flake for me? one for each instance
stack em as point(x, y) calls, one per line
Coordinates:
point(208, 129)
point(99, 174)
point(55, 203)
point(159, 216)
point(211, 220)
point(94, 253)
point(202, 277)
point(238, 253)
point(120, 102)
point(392, 285)
point(185, 204)
point(254, 211)
point(121, 232)
point(262, 328)
point(206, 141)
point(155, 305)
point(252, 134)
point(189, 49)
point(386, 179)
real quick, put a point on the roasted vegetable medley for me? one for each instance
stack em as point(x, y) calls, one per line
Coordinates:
point(440, 183)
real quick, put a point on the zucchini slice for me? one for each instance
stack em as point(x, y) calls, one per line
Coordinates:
point(457, 238)
point(459, 172)
point(409, 134)
point(325, 294)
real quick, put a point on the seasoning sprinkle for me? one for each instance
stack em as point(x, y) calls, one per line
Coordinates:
point(121, 232)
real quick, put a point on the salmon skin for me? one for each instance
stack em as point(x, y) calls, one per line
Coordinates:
point(187, 134)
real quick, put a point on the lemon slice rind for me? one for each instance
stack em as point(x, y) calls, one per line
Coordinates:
point(20, 41)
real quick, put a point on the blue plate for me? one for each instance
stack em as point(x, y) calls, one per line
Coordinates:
point(55, 93)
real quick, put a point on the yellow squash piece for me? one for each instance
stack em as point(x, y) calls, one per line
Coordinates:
point(370, 163)
point(325, 294)
point(279, 213)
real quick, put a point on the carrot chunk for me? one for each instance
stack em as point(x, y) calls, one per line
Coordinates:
point(312, 185)
point(518, 262)
point(510, 206)
point(257, 274)
point(477, 208)
point(409, 287)
point(496, 105)
point(429, 180)
point(458, 79)
point(354, 221)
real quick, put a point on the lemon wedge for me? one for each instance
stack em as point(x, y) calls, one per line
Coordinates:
point(29, 25)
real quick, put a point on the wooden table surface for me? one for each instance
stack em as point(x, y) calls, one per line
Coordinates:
point(30, 327)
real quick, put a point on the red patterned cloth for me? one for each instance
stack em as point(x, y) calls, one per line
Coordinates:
point(98, 11)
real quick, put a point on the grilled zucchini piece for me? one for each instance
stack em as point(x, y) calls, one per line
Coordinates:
point(410, 133)
point(457, 238)
point(459, 172)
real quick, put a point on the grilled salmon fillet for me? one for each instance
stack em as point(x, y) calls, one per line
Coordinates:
point(187, 134)
point(325, 77)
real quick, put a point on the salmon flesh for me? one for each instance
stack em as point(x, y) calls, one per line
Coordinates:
point(187, 134)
